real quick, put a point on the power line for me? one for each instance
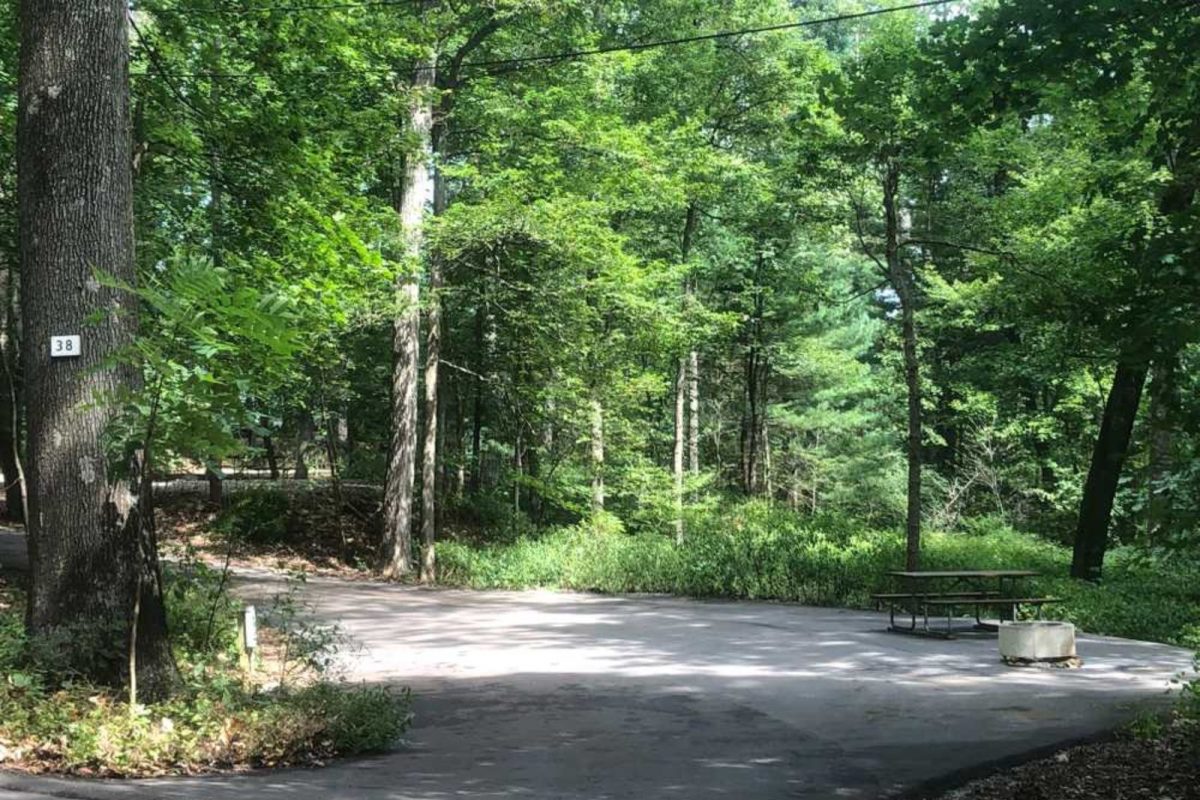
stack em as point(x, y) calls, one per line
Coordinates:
point(705, 37)
point(511, 64)
point(285, 9)
point(156, 61)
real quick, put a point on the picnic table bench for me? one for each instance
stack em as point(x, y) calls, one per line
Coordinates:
point(948, 590)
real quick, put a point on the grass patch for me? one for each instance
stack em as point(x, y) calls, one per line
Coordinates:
point(763, 552)
point(217, 721)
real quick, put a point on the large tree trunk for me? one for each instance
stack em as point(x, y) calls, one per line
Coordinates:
point(1104, 474)
point(94, 590)
point(904, 284)
point(412, 197)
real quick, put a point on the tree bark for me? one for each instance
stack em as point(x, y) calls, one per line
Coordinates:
point(10, 420)
point(272, 457)
point(304, 436)
point(433, 359)
point(92, 561)
point(693, 367)
point(677, 473)
point(1104, 474)
point(460, 454)
point(216, 253)
point(412, 197)
point(753, 370)
point(750, 424)
point(683, 383)
point(1164, 399)
point(518, 463)
point(904, 284)
point(597, 415)
point(693, 377)
point(216, 492)
point(477, 404)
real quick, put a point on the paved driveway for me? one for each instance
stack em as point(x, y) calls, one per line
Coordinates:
point(555, 696)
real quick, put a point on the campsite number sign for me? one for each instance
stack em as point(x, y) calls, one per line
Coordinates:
point(64, 346)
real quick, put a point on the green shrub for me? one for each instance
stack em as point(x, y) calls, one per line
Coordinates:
point(81, 730)
point(258, 517)
point(217, 720)
point(761, 550)
point(12, 639)
point(201, 614)
point(1191, 691)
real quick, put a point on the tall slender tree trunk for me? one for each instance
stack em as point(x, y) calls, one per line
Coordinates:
point(412, 198)
point(1104, 474)
point(304, 436)
point(95, 592)
point(750, 424)
point(693, 372)
point(766, 482)
point(433, 360)
point(693, 380)
point(597, 447)
point(477, 404)
point(216, 251)
point(10, 419)
point(677, 463)
point(912, 382)
point(460, 450)
point(518, 464)
point(216, 491)
point(753, 371)
point(1124, 398)
point(904, 284)
point(1164, 398)
point(682, 382)
point(272, 457)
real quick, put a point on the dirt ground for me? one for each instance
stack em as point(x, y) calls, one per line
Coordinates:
point(1157, 765)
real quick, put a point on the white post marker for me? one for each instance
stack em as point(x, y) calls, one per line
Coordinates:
point(250, 629)
point(65, 346)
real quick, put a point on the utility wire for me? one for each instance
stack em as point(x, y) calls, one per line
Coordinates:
point(202, 119)
point(705, 37)
point(156, 61)
point(511, 64)
point(283, 9)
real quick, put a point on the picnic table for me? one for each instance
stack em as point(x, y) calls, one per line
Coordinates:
point(923, 591)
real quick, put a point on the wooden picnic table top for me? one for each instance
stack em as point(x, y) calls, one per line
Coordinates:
point(964, 573)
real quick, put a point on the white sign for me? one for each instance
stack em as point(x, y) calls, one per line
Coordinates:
point(64, 346)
